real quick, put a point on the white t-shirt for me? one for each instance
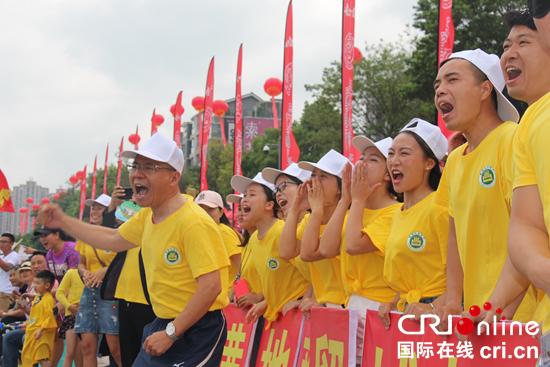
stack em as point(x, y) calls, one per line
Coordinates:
point(5, 284)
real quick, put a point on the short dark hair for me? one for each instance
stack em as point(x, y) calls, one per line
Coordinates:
point(47, 276)
point(514, 17)
point(9, 235)
point(291, 178)
point(43, 253)
point(435, 172)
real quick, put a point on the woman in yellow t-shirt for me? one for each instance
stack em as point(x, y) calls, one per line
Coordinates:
point(96, 315)
point(259, 207)
point(416, 250)
point(212, 203)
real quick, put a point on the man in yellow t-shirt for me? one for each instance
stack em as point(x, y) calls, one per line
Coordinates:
point(184, 258)
point(474, 186)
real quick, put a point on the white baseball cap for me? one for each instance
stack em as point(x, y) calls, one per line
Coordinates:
point(271, 174)
point(240, 183)
point(159, 148)
point(103, 199)
point(489, 65)
point(431, 135)
point(362, 142)
point(332, 162)
point(234, 198)
point(209, 198)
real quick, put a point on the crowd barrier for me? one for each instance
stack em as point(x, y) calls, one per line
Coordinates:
point(328, 339)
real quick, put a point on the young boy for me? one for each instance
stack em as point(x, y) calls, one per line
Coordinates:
point(40, 332)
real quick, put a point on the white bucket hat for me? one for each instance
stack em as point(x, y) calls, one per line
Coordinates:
point(332, 162)
point(103, 199)
point(159, 148)
point(431, 135)
point(240, 183)
point(362, 142)
point(490, 66)
point(271, 174)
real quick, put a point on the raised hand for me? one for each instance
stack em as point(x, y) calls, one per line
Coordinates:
point(360, 188)
point(316, 196)
point(301, 202)
point(346, 183)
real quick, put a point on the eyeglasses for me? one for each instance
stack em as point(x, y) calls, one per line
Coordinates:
point(282, 186)
point(147, 168)
point(3, 242)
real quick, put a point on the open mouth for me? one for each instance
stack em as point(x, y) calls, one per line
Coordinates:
point(282, 203)
point(513, 73)
point(397, 176)
point(141, 190)
point(445, 108)
point(246, 209)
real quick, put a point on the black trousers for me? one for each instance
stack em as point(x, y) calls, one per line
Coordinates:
point(132, 318)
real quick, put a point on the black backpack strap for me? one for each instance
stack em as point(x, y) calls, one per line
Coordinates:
point(143, 279)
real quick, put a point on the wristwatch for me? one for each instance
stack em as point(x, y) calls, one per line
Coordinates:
point(171, 331)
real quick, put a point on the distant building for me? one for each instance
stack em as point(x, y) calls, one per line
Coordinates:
point(257, 116)
point(9, 222)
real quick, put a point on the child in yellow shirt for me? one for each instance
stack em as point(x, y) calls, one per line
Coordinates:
point(71, 283)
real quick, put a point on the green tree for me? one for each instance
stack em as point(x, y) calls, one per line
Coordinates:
point(255, 160)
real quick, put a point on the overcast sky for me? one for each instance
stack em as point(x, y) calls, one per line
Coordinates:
point(76, 75)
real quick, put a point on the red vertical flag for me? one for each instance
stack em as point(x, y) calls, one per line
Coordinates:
point(82, 194)
point(289, 149)
point(119, 163)
point(177, 121)
point(136, 146)
point(105, 171)
point(348, 52)
point(22, 224)
point(6, 204)
point(208, 101)
point(238, 146)
point(94, 180)
point(445, 42)
point(153, 124)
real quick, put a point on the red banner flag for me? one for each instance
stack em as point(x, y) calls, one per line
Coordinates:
point(136, 146)
point(348, 52)
point(22, 224)
point(289, 149)
point(119, 162)
point(208, 101)
point(240, 337)
point(238, 155)
point(281, 341)
point(94, 180)
point(153, 124)
point(6, 204)
point(105, 171)
point(445, 44)
point(177, 121)
point(33, 223)
point(82, 194)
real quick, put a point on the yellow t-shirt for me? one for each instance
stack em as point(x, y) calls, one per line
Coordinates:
point(71, 281)
point(129, 286)
point(175, 252)
point(415, 262)
point(363, 274)
point(326, 275)
point(249, 272)
point(92, 263)
point(231, 241)
point(531, 163)
point(41, 316)
point(281, 281)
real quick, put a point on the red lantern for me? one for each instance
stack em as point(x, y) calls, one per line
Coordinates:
point(198, 103)
point(157, 120)
point(220, 108)
point(62, 192)
point(79, 175)
point(357, 56)
point(74, 180)
point(23, 210)
point(134, 139)
point(30, 200)
point(273, 87)
point(180, 111)
point(56, 197)
point(46, 201)
point(35, 206)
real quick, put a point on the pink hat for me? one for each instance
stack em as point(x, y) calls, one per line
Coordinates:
point(209, 198)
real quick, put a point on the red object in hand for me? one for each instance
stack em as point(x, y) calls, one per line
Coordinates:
point(180, 110)
point(273, 86)
point(30, 200)
point(198, 103)
point(357, 56)
point(219, 107)
point(241, 288)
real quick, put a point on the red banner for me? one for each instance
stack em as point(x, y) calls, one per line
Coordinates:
point(119, 162)
point(348, 52)
point(329, 346)
point(136, 146)
point(105, 171)
point(281, 341)
point(238, 154)
point(82, 194)
point(22, 224)
point(289, 149)
point(153, 125)
point(240, 337)
point(6, 204)
point(394, 348)
point(208, 99)
point(94, 181)
point(177, 121)
point(445, 43)
point(33, 223)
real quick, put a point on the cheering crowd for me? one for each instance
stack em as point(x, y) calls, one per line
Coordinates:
point(417, 225)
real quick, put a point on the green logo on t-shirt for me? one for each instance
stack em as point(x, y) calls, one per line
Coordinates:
point(416, 241)
point(107, 252)
point(172, 256)
point(31, 321)
point(273, 264)
point(487, 177)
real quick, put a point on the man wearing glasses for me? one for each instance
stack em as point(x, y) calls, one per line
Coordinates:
point(7, 259)
point(185, 261)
